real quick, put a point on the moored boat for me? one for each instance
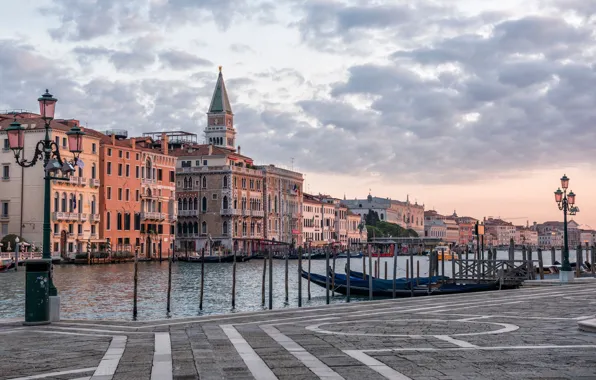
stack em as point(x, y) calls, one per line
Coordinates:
point(6, 265)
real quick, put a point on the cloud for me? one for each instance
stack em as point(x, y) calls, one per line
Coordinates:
point(181, 60)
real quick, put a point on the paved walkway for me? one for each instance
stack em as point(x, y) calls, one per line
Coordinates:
point(530, 333)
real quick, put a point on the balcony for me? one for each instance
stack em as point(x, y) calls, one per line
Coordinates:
point(188, 236)
point(257, 213)
point(4, 217)
point(153, 215)
point(65, 216)
point(230, 211)
point(83, 217)
point(148, 181)
point(188, 212)
point(94, 182)
point(77, 181)
point(94, 218)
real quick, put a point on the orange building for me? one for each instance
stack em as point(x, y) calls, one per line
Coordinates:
point(137, 194)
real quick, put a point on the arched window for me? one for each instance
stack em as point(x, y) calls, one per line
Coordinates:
point(93, 204)
point(184, 228)
point(225, 182)
point(244, 229)
point(93, 171)
point(235, 203)
point(185, 183)
point(148, 170)
point(204, 228)
point(108, 221)
point(224, 228)
point(179, 228)
point(225, 202)
point(269, 201)
point(71, 203)
point(56, 202)
point(64, 206)
point(204, 208)
point(185, 204)
point(80, 205)
point(196, 204)
point(275, 204)
point(204, 182)
point(243, 203)
point(180, 204)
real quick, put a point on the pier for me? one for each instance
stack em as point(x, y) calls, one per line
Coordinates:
point(532, 332)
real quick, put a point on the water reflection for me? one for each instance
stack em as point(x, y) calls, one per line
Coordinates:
point(106, 291)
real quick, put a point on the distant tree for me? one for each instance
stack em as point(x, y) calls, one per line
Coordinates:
point(10, 238)
point(371, 218)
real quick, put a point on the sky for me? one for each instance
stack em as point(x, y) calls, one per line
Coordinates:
point(473, 106)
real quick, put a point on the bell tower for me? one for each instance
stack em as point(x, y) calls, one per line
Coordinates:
point(220, 129)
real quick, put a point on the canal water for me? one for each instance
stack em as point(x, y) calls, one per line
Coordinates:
point(106, 291)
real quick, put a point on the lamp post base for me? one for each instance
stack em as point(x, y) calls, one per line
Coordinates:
point(566, 276)
point(54, 308)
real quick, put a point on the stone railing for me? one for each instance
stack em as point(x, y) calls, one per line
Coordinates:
point(188, 212)
point(94, 182)
point(94, 218)
point(257, 213)
point(230, 211)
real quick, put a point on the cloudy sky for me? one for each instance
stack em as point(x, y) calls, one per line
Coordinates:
point(473, 105)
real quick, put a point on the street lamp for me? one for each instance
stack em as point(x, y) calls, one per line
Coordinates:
point(48, 151)
point(566, 203)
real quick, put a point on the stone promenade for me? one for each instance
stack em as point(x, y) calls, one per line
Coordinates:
point(530, 333)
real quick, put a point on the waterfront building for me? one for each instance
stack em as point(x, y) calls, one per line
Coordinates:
point(74, 203)
point(435, 228)
point(137, 194)
point(355, 235)
point(451, 234)
point(502, 230)
point(551, 238)
point(526, 236)
point(311, 219)
point(573, 232)
point(587, 236)
point(405, 214)
point(339, 221)
point(466, 225)
point(225, 202)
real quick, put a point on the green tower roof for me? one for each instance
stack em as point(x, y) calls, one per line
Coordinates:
point(220, 102)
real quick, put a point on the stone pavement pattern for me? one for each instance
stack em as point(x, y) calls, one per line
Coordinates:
point(530, 333)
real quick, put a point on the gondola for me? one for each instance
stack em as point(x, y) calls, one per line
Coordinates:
point(419, 280)
point(6, 265)
point(208, 259)
point(380, 289)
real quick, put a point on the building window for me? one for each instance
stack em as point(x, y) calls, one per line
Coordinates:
point(93, 230)
point(93, 148)
point(127, 198)
point(64, 142)
point(159, 174)
point(225, 182)
point(214, 196)
point(109, 193)
point(198, 163)
point(5, 209)
point(204, 227)
point(80, 229)
point(5, 172)
point(137, 195)
point(127, 170)
point(204, 182)
point(56, 202)
point(93, 173)
point(119, 194)
point(204, 204)
point(138, 157)
point(127, 222)
point(137, 171)
point(172, 176)
point(110, 152)
point(127, 155)
point(120, 153)
point(56, 229)
point(224, 229)
point(120, 168)
point(137, 221)
point(109, 168)
point(6, 145)
point(63, 203)
point(119, 222)
point(244, 183)
point(108, 221)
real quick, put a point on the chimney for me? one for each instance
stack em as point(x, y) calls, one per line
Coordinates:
point(133, 143)
point(164, 143)
point(210, 150)
point(113, 136)
point(239, 149)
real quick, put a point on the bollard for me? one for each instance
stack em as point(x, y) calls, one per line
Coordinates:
point(412, 272)
point(363, 267)
point(443, 267)
point(552, 256)
point(378, 275)
point(135, 286)
point(264, 277)
point(300, 277)
point(270, 279)
point(202, 278)
point(234, 281)
point(417, 272)
point(531, 264)
point(407, 270)
point(578, 261)
point(169, 282)
point(286, 284)
point(540, 264)
point(385, 270)
point(430, 272)
point(376, 269)
point(453, 268)
point(327, 276)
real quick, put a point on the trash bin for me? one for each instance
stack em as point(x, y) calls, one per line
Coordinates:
point(37, 292)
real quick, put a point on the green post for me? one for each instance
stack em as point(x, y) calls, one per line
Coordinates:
point(37, 300)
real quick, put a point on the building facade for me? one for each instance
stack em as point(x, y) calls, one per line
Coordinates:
point(357, 233)
point(503, 231)
point(311, 219)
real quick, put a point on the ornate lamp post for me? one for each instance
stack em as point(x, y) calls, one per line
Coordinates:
point(48, 151)
point(566, 203)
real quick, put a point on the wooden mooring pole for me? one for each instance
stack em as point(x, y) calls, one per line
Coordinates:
point(417, 272)
point(287, 274)
point(531, 264)
point(443, 266)
point(394, 269)
point(540, 264)
point(135, 285)
point(264, 278)
point(578, 261)
point(169, 282)
point(348, 277)
point(363, 267)
point(385, 270)
point(411, 268)
point(234, 281)
point(327, 276)
point(270, 279)
point(300, 277)
point(407, 269)
point(333, 275)
point(552, 256)
point(202, 278)
point(308, 284)
point(370, 283)
point(593, 251)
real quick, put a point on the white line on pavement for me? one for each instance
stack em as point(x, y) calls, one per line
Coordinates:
point(376, 365)
point(310, 361)
point(162, 357)
point(109, 362)
point(255, 364)
point(457, 342)
point(52, 374)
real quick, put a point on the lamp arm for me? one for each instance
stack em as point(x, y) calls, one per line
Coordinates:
point(36, 156)
point(55, 152)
